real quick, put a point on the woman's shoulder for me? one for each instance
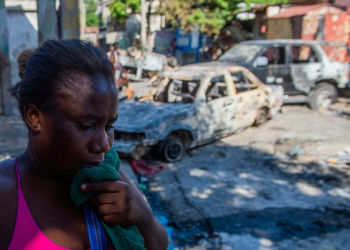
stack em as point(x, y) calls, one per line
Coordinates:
point(8, 198)
point(8, 182)
point(8, 179)
point(7, 171)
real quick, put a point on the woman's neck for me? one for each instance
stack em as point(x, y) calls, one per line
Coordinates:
point(34, 169)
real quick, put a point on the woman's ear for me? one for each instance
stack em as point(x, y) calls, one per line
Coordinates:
point(33, 117)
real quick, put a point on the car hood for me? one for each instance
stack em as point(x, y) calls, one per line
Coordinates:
point(137, 117)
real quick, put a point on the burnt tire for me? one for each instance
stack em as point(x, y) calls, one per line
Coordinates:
point(172, 61)
point(172, 149)
point(261, 117)
point(323, 96)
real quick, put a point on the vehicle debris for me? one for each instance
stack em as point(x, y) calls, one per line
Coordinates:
point(191, 106)
point(144, 64)
point(307, 70)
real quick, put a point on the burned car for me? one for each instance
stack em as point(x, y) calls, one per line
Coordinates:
point(145, 64)
point(310, 72)
point(191, 106)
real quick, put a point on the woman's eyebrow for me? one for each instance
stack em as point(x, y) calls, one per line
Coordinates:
point(92, 117)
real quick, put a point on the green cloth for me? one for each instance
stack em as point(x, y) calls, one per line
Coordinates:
point(122, 237)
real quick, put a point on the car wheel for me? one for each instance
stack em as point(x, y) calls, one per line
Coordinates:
point(323, 96)
point(172, 149)
point(261, 118)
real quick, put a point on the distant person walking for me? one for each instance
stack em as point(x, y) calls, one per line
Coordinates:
point(121, 78)
point(112, 51)
point(120, 72)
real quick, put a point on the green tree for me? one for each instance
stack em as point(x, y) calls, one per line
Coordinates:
point(121, 9)
point(91, 18)
point(209, 16)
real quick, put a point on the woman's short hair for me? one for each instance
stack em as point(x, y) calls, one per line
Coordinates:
point(56, 67)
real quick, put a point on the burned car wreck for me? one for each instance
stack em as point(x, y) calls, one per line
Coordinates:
point(310, 72)
point(191, 106)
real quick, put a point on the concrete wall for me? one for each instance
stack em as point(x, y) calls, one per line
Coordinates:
point(22, 28)
point(22, 35)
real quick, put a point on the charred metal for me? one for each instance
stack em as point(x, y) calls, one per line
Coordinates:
point(191, 106)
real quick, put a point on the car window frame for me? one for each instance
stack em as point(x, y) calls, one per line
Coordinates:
point(317, 53)
point(265, 48)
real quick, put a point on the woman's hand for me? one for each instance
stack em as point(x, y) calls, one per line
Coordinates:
point(116, 202)
point(121, 203)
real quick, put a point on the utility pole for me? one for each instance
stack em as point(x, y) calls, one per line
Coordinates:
point(47, 20)
point(7, 106)
point(69, 19)
point(143, 24)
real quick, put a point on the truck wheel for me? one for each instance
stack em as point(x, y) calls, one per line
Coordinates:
point(172, 149)
point(323, 96)
point(261, 118)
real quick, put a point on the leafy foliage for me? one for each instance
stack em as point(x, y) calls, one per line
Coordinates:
point(209, 16)
point(91, 18)
point(119, 9)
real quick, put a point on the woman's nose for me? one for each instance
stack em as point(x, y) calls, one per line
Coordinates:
point(100, 143)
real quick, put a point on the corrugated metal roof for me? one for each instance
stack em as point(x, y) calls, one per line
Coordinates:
point(298, 11)
point(342, 3)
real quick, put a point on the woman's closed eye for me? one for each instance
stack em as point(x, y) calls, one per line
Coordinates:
point(86, 126)
point(109, 127)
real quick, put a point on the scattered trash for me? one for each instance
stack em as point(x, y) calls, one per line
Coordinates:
point(143, 179)
point(342, 157)
point(140, 167)
point(296, 151)
point(143, 187)
point(332, 160)
point(280, 141)
point(347, 150)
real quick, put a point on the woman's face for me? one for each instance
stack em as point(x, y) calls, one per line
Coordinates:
point(81, 131)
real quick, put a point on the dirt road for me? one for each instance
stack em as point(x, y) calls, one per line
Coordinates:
point(284, 185)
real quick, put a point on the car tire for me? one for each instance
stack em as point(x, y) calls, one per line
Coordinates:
point(172, 149)
point(261, 117)
point(323, 96)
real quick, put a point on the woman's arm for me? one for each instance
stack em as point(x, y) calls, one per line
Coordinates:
point(121, 203)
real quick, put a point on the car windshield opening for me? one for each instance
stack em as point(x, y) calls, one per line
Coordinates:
point(180, 91)
point(242, 54)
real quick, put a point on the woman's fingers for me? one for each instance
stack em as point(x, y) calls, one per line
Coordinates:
point(104, 186)
point(103, 198)
point(107, 209)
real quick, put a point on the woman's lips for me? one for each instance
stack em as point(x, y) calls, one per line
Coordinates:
point(93, 164)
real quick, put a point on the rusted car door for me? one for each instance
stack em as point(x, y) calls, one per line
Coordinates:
point(217, 109)
point(306, 67)
point(250, 98)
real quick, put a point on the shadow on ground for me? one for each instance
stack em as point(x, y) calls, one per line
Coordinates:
point(241, 190)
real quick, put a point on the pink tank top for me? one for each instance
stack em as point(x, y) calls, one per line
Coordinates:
point(27, 235)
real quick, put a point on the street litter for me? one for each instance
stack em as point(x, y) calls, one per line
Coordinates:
point(140, 167)
point(296, 151)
